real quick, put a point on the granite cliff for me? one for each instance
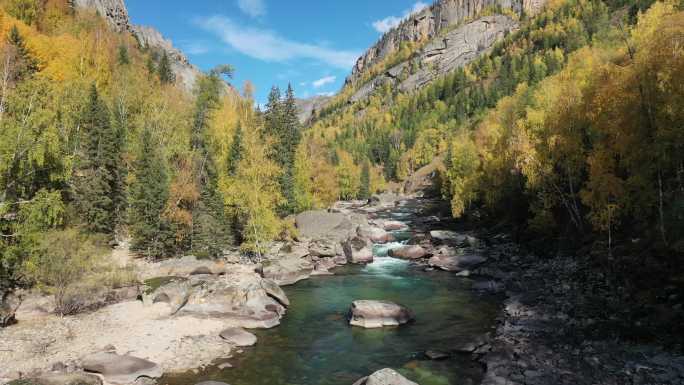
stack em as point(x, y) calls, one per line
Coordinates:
point(116, 14)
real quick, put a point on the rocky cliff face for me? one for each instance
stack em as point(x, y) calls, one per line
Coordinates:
point(116, 14)
point(441, 56)
point(311, 106)
point(428, 23)
point(114, 11)
point(186, 73)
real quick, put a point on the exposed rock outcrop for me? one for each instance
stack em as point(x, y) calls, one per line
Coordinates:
point(442, 55)
point(186, 73)
point(116, 14)
point(114, 11)
point(429, 23)
point(309, 107)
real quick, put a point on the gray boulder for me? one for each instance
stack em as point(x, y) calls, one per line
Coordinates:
point(448, 259)
point(288, 270)
point(118, 369)
point(239, 337)
point(375, 314)
point(357, 250)
point(176, 293)
point(242, 298)
point(408, 252)
point(385, 377)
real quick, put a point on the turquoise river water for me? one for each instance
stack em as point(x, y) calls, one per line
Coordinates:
point(314, 345)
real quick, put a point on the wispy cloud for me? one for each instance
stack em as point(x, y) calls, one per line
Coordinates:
point(326, 94)
point(324, 81)
point(194, 47)
point(253, 8)
point(390, 22)
point(267, 45)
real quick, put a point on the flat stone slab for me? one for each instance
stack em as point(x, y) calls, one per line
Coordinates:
point(239, 337)
point(377, 314)
point(120, 370)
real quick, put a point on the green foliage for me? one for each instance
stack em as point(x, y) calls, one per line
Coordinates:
point(365, 188)
point(236, 150)
point(99, 178)
point(150, 231)
point(60, 262)
point(24, 10)
point(165, 71)
point(123, 58)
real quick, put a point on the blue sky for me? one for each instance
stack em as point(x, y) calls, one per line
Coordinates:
point(310, 43)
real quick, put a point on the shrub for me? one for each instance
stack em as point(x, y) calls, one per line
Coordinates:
point(60, 263)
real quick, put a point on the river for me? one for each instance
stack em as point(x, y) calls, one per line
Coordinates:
point(314, 345)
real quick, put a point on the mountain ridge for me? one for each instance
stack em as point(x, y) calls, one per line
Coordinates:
point(116, 14)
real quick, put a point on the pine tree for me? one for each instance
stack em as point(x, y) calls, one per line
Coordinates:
point(164, 70)
point(210, 226)
point(97, 188)
point(290, 137)
point(149, 193)
point(365, 190)
point(273, 115)
point(235, 153)
point(27, 65)
point(123, 57)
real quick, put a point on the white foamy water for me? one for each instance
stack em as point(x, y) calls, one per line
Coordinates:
point(385, 266)
point(380, 251)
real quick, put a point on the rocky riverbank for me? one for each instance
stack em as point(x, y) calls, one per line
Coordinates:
point(178, 320)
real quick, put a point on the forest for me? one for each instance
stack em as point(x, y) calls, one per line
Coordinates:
point(569, 129)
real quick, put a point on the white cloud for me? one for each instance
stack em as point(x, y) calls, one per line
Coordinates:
point(269, 46)
point(390, 22)
point(324, 81)
point(253, 8)
point(194, 47)
point(326, 94)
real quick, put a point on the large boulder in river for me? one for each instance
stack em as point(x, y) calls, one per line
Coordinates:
point(376, 314)
point(408, 252)
point(357, 250)
point(374, 234)
point(287, 270)
point(449, 259)
point(60, 379)
point(118, 369)
point(239, 337)
point(385, 377)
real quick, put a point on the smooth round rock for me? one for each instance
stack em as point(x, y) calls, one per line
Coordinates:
point(239, 337)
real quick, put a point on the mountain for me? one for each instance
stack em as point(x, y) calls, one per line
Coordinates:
point(311, 106)
point(116, 14)
point(428, 45)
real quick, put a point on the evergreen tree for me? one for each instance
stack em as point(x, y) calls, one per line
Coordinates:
point(273, 115)
point(100, 174)
point(235, 153)
point(164, 70)
point(149, 193)
point(365, 190)
point(123, 57)
point(210, 225)
point(26, 65)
